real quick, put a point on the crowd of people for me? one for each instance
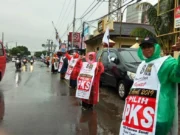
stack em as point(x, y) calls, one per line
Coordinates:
point(152, 101)
point(70, 67)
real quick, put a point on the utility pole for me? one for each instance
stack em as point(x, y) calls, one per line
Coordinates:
point(16, 44)
point(82, 35)
point(113, 5)
point(48, 44)
point(67, 45)
point(74, 23)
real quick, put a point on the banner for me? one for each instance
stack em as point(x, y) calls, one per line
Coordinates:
point(72, 63)
point(55, 65)
point(60, 64)
point(76, 37)
point(85, 80)
point(177, 17)
point(139, 112)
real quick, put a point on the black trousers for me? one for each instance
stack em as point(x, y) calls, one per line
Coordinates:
point(87, 106)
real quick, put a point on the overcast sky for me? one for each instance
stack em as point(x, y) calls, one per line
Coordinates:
point(29, 22)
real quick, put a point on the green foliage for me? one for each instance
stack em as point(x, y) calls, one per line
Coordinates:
point(39, 53)
point(162, 24)
point(23, 50)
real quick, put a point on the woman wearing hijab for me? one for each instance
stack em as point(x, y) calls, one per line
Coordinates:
point(63, 65)
point(94, 94)
point(76, 68)
point(54, 60)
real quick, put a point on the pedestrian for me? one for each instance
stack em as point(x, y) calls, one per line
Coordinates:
point(54, 63)
point(63, 65)
point(94, 89)
point(75, 63)
point(151, 106)
point(47, 61)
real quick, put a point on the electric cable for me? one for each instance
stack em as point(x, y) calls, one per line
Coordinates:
point(112, 12)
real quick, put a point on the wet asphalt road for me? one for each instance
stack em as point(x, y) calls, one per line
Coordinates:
point(39, 103)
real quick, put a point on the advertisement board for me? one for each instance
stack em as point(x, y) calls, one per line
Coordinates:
point(177, 17)
point(76, 37)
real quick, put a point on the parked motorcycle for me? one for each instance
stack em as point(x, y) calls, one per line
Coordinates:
point(18, 64)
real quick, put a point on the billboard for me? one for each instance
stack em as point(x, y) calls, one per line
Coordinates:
point(76, 37)
point(177, 17)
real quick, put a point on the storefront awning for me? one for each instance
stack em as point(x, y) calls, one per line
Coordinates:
point(136, 45)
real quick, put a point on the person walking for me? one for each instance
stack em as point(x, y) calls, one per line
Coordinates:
point(54, 63)
point(151, 106)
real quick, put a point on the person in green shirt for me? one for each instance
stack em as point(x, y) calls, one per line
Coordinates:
point(169, 76)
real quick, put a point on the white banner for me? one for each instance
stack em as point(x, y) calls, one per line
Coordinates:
point(85, 80)
point(72, 63)
point(60, 64)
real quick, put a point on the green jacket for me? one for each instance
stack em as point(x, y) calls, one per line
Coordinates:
point(169, 75)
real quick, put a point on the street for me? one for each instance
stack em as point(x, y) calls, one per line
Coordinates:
point(38, 103)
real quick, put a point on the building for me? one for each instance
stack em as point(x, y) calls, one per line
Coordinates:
point(120, 33)
point(136, 15)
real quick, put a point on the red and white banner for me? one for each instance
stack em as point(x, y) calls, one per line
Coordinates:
point(76, 37)
point(85, 80)
point(177, 17)
point(60, 64)
point(139, 112)
point(72, 63)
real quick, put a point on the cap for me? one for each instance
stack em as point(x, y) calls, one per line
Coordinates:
point(148, 40)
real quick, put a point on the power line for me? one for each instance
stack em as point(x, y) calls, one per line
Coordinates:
point(61, 11)
point(112, 11)
point(66, 30)
point(88, 8)
point(65, 11)
point(84, 14)
point(91, 9)
point(80, 28)
point(62, 26)
point(59, 17)
point(95, 9)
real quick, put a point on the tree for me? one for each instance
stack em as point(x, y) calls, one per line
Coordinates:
point(23, 50)
point(162, 24)
point(39, 53)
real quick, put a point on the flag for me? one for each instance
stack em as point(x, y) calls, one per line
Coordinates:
point(106, 37)
point(42, 56)
point(106, 40)
point(57, 35)
point(58, 39)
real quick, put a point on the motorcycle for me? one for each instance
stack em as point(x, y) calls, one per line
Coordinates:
point(18, 64)
point(31, 62)
point(24, 62)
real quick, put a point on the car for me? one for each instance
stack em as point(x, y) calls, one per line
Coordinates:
point(2, 61)
point(120, 66)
